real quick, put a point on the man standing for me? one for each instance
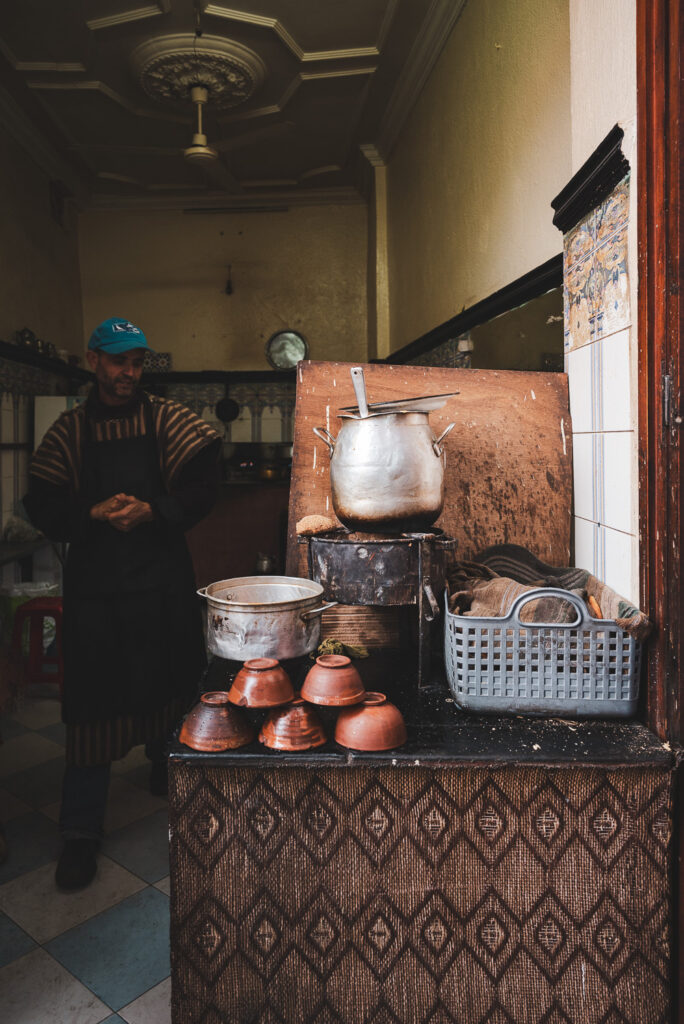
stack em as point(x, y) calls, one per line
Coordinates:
point(121, 478)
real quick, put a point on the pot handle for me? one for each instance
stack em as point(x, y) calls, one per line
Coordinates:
point(431, 615)
point(436, 442)
point(202, 592)
point(311, 613)
point(326, 437)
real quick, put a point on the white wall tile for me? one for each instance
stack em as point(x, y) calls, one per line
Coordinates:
point(583, 474)
point(579, 380)
point(23, 420)
point(7, 466)
point(615, 381)
point(619, 564)
point(6, 418)
point(241, 428)
point(584, 532)
point(272, 426)
point(618, 471)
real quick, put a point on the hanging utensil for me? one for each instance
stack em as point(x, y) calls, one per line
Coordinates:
point(360, 390)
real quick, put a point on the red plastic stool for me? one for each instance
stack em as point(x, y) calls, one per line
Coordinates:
point(41, 668)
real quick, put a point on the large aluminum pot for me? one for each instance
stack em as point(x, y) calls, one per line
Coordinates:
point(386, 471)
point(263, 617)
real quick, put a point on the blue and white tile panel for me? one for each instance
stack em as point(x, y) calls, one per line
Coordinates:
point(598, 340)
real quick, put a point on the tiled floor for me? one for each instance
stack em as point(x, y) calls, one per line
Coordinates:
point(96, 956)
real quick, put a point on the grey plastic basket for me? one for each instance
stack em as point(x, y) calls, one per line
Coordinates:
point(589, 667)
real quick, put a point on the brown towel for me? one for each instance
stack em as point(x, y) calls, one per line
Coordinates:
point(488, 586)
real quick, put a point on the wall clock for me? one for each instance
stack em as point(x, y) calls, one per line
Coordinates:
point(284, 349)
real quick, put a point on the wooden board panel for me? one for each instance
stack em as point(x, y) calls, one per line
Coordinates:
point(508, 460)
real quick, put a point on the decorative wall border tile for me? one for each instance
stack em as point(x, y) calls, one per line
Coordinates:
point(596, 280)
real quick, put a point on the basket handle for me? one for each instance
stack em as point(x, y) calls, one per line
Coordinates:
point(534, 595)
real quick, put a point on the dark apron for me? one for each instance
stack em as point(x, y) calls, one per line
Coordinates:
point(132, 624)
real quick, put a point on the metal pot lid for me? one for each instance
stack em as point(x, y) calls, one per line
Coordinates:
point(428, 403)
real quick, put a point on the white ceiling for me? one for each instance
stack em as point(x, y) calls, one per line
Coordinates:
point(339, 79)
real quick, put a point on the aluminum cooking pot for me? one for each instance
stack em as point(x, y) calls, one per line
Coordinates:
point(263, 617)
point(386, 471)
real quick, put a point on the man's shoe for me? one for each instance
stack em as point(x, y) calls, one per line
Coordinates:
point(159, 778)
point(77, 864)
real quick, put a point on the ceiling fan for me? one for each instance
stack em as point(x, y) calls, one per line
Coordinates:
point(203, 156)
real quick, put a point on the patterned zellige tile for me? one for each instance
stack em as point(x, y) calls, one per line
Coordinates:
point(579, 241)
point(611, 285)
point(612, 213)
point(580, 297)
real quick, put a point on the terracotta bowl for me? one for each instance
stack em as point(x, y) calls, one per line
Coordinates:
point(294, 727)
point(261, 683)
point(334, 681)
point(214, 725)
point(376, 724)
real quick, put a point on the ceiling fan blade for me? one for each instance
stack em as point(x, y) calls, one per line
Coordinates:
point(217, 176)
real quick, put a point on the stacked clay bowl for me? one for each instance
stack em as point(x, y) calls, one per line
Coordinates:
point(375, 724)
point(261, 683)
point(213, 725)
point(293, 727)
point(333, 681)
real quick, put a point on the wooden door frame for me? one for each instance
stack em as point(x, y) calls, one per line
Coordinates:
point(660, 148)
point(660, 309)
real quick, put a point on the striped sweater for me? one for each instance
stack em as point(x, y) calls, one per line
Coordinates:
point(181, 434)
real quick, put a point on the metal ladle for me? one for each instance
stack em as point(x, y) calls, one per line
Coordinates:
point(359, 383)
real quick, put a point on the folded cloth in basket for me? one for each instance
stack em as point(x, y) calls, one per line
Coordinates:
point(488, 586)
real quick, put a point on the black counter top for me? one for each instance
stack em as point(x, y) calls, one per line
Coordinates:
point(439, 733)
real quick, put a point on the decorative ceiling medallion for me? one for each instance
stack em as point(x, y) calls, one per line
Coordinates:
point(168, 67)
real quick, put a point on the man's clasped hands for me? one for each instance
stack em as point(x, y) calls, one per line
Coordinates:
point(122, 511)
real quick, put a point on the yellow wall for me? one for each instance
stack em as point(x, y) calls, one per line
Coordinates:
point(304, 269)
point(40, 286)
point(486, 148)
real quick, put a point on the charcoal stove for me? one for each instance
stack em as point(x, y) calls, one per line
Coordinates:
point(402, 569)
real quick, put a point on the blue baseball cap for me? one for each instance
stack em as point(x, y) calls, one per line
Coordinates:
point(117, 335)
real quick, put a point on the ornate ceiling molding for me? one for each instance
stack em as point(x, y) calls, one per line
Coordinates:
point(134, 14)
point(168, 66)
point(293, 46)
point(113, 95)
point(429, 43)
